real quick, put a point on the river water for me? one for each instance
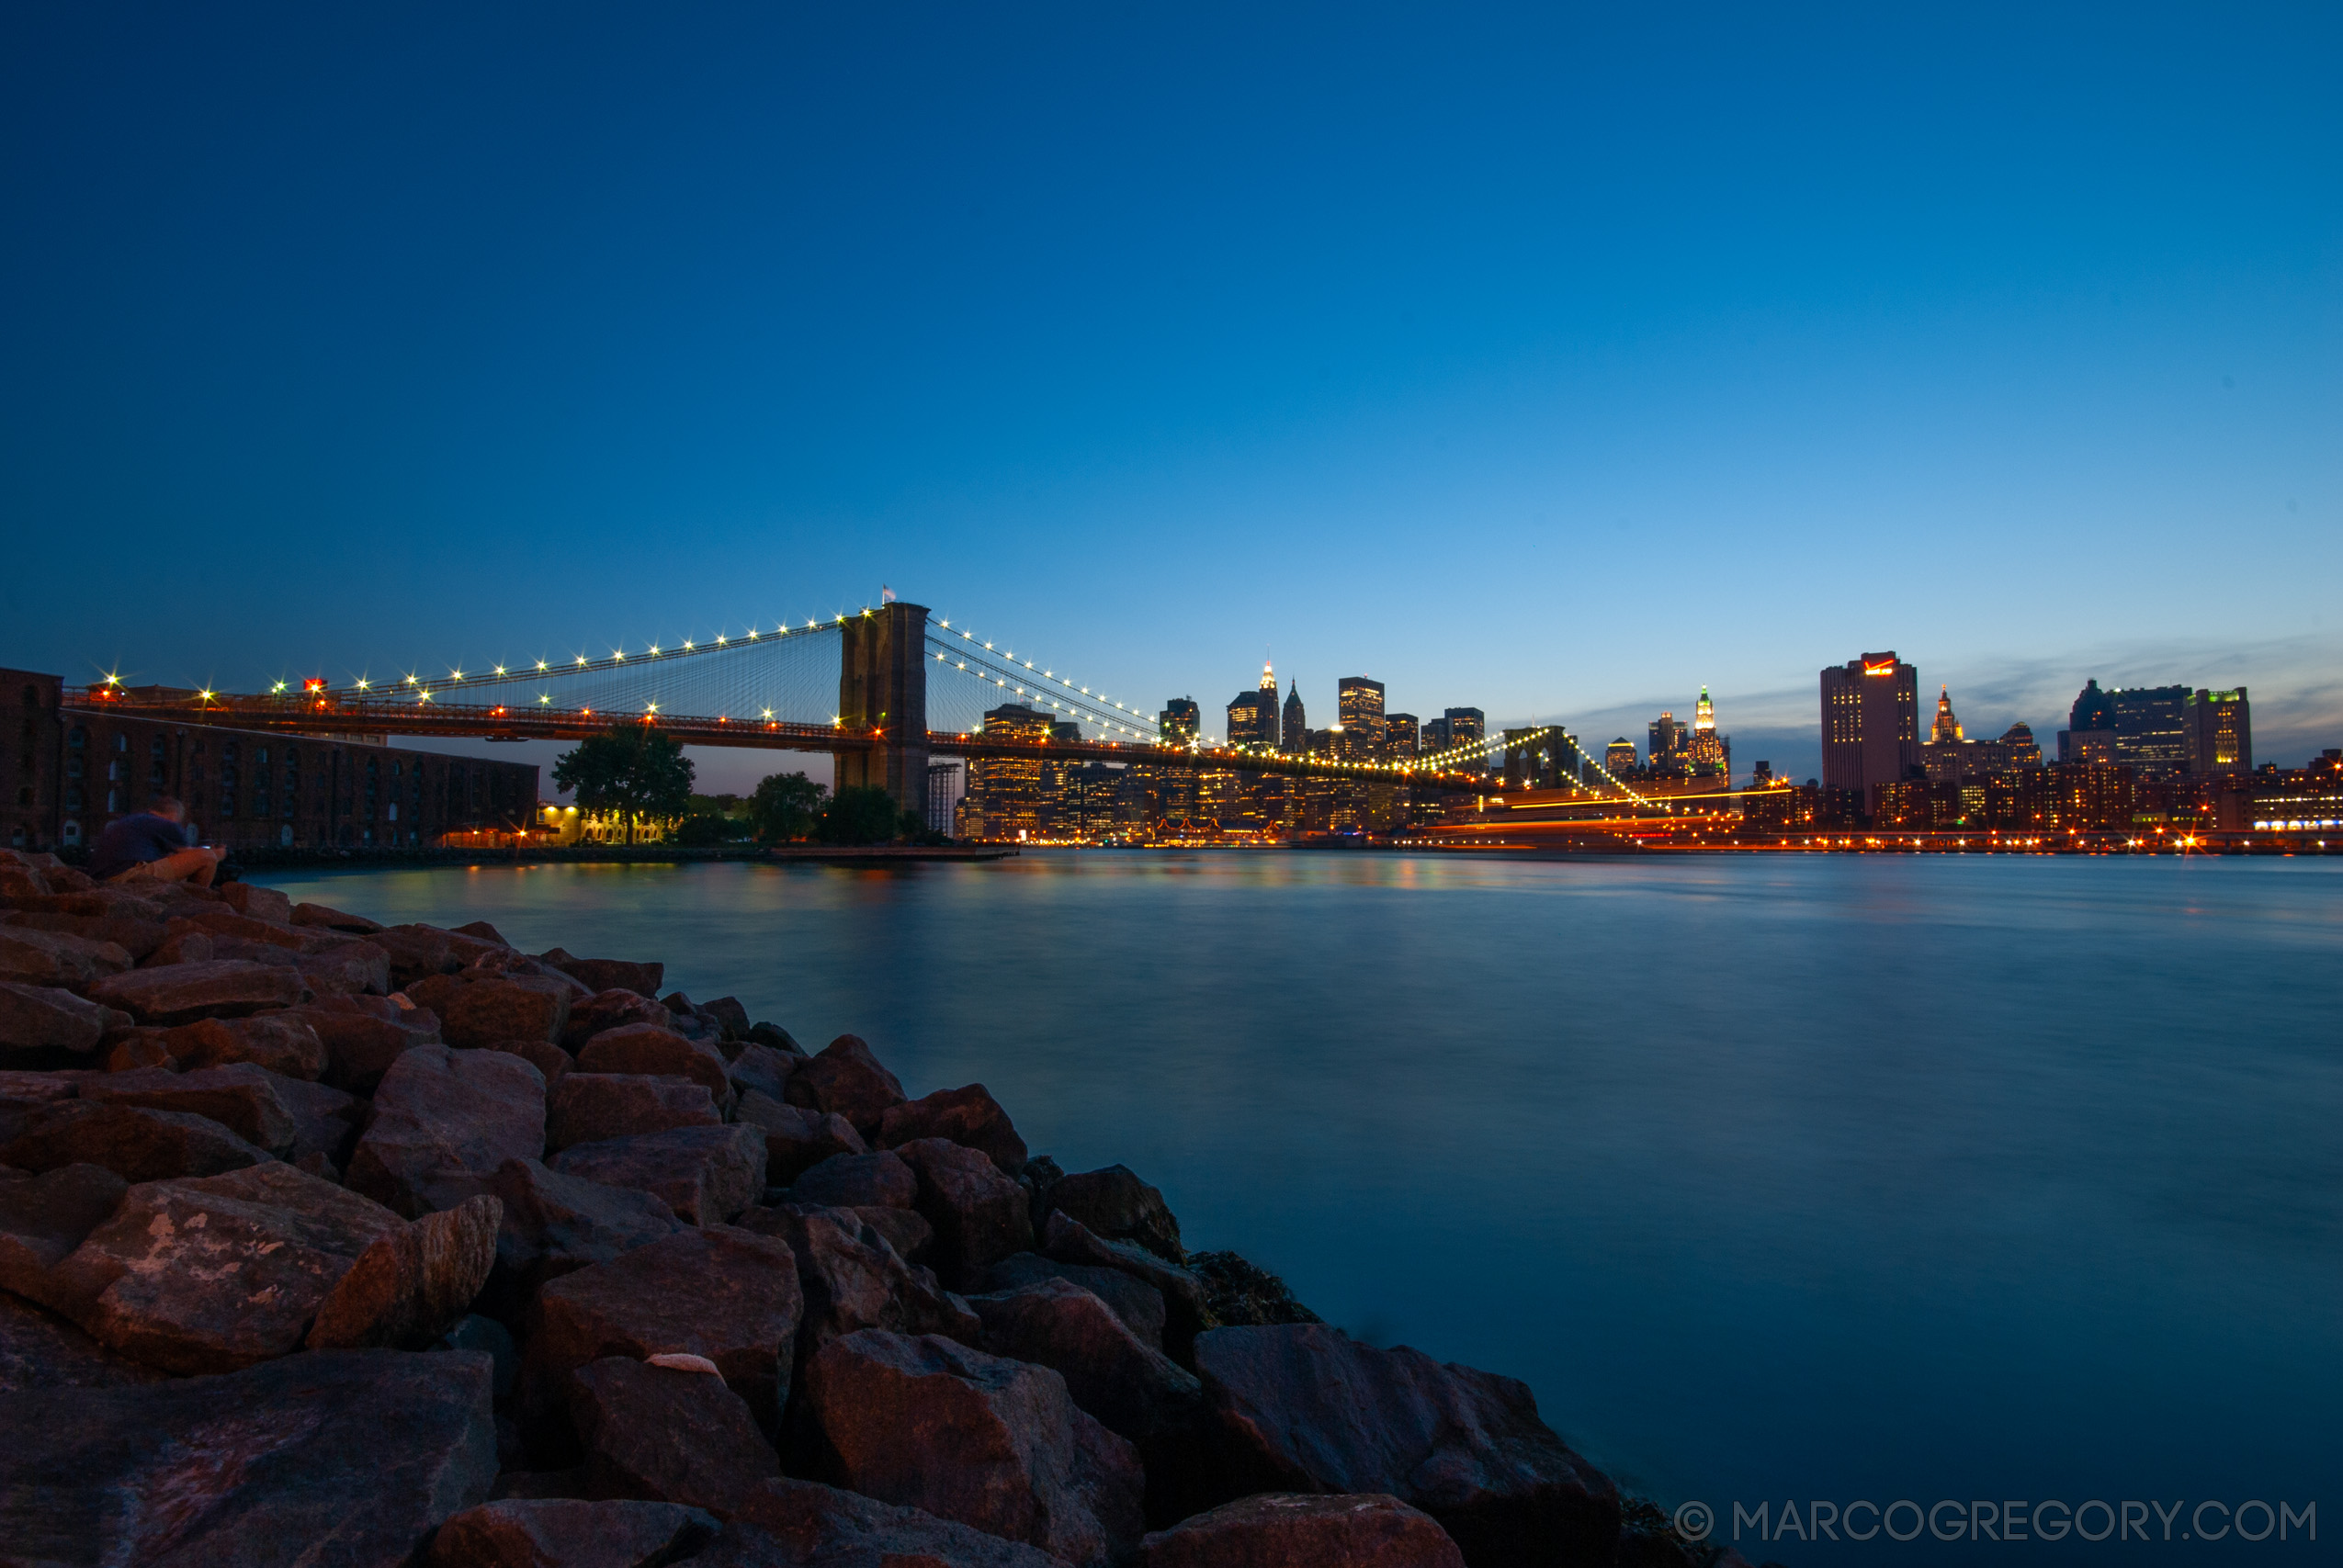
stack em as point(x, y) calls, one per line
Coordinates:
point(1778, 1179)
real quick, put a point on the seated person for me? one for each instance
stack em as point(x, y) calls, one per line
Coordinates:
point(151, 846)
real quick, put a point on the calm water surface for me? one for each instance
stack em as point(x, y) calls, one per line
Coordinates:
point(1776, 1178)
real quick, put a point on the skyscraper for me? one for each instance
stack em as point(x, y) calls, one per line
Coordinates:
point(1709, 753)
point(1181, 721)
point(1467, 727)
point(1294, 730)
point(1399, 737)
point(2090, 735)
point(2218, 730)
point(1359, 703)
point(1619, 757)
point(1871, 732)
point(2151, 725)
point(1946, 730)
point(1666, 746)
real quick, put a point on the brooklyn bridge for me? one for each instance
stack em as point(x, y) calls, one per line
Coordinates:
point(885, 691)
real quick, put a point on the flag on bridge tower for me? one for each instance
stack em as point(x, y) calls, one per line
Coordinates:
point(886, 594)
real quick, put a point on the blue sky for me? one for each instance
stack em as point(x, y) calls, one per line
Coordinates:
point(1550, 361)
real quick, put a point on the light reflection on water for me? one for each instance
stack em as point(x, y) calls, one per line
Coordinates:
point(1813, 1177)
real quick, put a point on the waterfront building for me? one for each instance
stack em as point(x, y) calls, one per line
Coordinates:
point(1870, 722)
point(946, 784)
point(2217, 734)
point(2300, 797)
point(1294, 729)
point(76, 770)
point(1359, 704)
point(1006, 798)
point(1400, 739)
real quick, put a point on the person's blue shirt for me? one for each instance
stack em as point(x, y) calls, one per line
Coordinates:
point(134, 840)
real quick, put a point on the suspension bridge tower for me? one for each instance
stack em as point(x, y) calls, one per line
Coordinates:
point(882, 686)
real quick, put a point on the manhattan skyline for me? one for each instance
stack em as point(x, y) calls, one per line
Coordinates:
point(1551, 363)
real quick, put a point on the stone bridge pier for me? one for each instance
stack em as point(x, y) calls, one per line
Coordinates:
point(882, 684)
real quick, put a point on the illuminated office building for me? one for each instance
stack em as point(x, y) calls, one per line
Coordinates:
point(1400, 739)
point(1360, 707)
point(2217, 732)
point(1619, 757)
point(1871, 732)
point(1293, 729)
point(1666, 747)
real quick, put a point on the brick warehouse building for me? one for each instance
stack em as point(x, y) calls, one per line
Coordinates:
point(75, 771)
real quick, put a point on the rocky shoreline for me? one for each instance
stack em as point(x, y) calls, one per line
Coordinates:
point(328, 1243)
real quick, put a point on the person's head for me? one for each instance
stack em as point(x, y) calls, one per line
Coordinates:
point(167, 806)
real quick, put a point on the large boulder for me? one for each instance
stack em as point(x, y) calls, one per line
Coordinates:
point(853, 1278)
point(43, 1218)
point(214, 1273)
point(135, 934)
point(995, 1444)
point(858, 1181)
point(765, 1070)
point(241, 1097)
point(36, 1017)
point(609, 974)
point(1299, 1530)
point(258, 903)
point(650, 1049)
point(803, 1522)
point(277, 1041)
point(343, 1457)
point(443, 1120)
point(363, 1035)
point(181, 993)
point(586, 1108)
point(980, 1216)
point(324, 1121)
point(1137, 1303)
point(795, 1139)
point(135, 1144)
point(417, 951)
point(1302, 1407)
point(555, 1224)
point(706, 1174)
point(665, 1435)
point(720, 1293)
point(40, 1349)
point(57, 958)
point(1113, 1205)
point(324, 917)
point(607, 1009)
point(564, 1532)
point(1066, 1240)
point(487, 1012)
point(412, 1285)
point(969, 1116)
point(846, 1079)
point(1135, 1390)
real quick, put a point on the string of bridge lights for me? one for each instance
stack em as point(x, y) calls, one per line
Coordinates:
point(424, 688)
point(1487, 744)
point(974, 648)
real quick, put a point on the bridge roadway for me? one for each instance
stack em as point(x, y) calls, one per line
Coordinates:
point(343, 715)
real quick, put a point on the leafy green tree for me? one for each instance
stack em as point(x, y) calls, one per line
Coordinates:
point(707, 829)
point(785, 807)
point(633, 773)
point(863, 815)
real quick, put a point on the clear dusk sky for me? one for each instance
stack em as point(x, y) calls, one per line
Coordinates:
point(1550, 360)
